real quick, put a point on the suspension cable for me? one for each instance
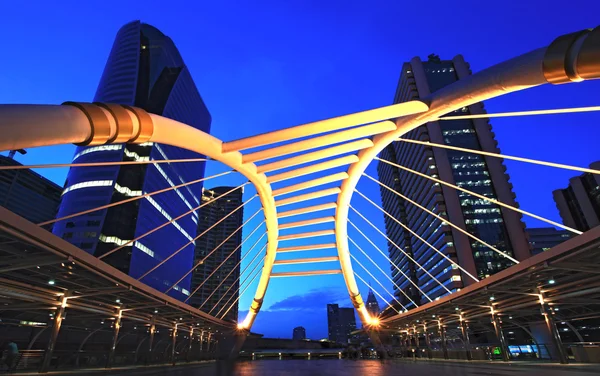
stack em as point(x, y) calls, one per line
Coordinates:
point(381, 270)
point(391, 262)
point(401, 250)
point(100, 164)
point(196, 238)
point(443, 220)
point(524, 113)
point(378, 294)
point(133, 198)
point(494, 201)
point(170, 222)
point(240, 273)
point(376, 280)
point(242, 293)
point(214, 250)
point(417, 236)
point(222, 263)
point(498, 155)
point(244, 281)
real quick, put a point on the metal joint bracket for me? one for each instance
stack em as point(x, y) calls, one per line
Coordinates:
point(573, 57)
point(146, 126)
point(99, 123)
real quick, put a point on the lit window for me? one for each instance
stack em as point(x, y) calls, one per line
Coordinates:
point(97, 148)
point(113, 239)
point(88, 184)
point(126, 191)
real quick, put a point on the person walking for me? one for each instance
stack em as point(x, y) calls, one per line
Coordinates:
point(12, 356)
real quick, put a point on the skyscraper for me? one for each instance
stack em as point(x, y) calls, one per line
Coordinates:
point(144, 69)
point(299, 333)
point(485, 175)
point(28, 194)
point(372, 304)
point(341, 322)
point(579, 203)
point(542, 239)
point(217, 246)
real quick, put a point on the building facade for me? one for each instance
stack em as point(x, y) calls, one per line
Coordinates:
point(542, 239)
point(219, 249)
point(372, 304)
point(579, 203)
point(341, 322)
point(299, 333)
point(487, 176)
point(144, 69)
point(27, 193)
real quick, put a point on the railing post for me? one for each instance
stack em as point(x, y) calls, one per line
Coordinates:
point(174, 343)
point(416, 336)
point(117, 327)
point(442, 332)
point(551, 325)
point(500, 335)
point(465, 333)
point(427, 341)
point(189, 352)
point(151, 340)
point(56, 324)
point(201, 344)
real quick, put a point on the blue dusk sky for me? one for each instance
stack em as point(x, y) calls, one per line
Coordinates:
point(263, 65)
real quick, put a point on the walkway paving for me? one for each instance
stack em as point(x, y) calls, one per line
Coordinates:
point(334, 367)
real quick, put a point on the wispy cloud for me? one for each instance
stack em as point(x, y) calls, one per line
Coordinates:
point(315, 299)
point(278, 320)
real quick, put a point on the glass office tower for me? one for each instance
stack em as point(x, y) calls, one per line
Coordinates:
point(144, 69)
point(221, 290)
point(28, 194)
point(487, 176)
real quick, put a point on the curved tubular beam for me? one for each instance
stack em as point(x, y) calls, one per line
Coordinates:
point(519, 73)
point(90, 124)
point(174, 133)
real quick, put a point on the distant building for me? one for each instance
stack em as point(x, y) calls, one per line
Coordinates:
point(544, 238)
point(214, 285)
point(299, 333)
point(28, 194)
point(579, 203)
point(501, 228)
point(144, 69)
point(341, 322)
point(372, 304)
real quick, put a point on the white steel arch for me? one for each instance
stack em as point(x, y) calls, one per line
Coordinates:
point(356, 139)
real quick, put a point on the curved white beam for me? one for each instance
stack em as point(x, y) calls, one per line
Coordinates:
point(517, 74)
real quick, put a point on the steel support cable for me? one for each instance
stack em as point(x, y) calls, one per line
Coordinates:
point(223, 262)
point(376, 280)
point(381, 270)
point(244, 281)
point(391, 262)
point(134, 198)
point(242, 293)
point(171, 221)
point(442, 219)
point(197, 237)
point(504, 156)
point(401, 250)
point(524, 113)
point(100, 164)
point(241, 272)
point(417, 236)
point(494, 201)
point(214, 250)
point(378, 294)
